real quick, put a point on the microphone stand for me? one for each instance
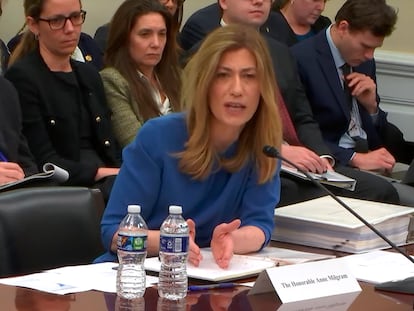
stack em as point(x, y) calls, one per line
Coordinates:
point(272, 152)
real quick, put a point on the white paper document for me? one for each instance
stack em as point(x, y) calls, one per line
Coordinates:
point(284, 256)
point(324, 223)
point(73, 279)
point(379, 266)
point(45, 282)
point(241, 266)
point(327, 211)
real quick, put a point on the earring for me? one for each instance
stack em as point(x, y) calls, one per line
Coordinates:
point(36, 36)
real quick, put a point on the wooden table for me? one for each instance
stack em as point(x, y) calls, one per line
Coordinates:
point(14, 298)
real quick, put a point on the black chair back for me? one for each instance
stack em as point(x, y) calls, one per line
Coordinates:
point(46, 227)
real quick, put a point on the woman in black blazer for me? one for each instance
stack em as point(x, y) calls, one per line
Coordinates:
point(65, 117)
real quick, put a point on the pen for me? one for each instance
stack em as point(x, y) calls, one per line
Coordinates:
point(2, 157)
point(193, 288)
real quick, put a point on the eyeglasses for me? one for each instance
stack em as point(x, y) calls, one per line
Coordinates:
point(59, 21)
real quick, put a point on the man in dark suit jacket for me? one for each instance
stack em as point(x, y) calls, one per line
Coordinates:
point(312, 154)
point(320, 60)
point(101, 36)
point(346, 106)
point(205, 20)
point(4, 57)
point(16, 161)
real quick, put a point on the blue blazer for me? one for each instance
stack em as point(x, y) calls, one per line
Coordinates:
point(325, 93)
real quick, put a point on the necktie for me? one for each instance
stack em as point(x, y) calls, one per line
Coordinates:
point(289, 131)
point(346, 70)
point(361, 144)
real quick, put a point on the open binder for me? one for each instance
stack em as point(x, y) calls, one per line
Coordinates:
point(241, 266)
point(51, 175)
point(331, 178)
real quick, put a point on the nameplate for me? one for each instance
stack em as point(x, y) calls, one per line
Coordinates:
point(307, 281)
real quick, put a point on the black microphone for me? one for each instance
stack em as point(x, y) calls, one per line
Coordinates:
point(272, 152)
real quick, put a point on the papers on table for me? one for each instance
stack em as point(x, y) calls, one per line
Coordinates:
point(73, 279)
point(44, 282)
point(241, 266)
point(379, 266)
point(102, 277)
point(323, 223)
point(283, 256)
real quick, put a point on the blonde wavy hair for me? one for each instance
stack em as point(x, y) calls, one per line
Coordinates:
point(199, 157)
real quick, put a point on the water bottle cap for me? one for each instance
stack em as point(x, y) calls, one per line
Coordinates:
point(134, 209)
point(175, 209)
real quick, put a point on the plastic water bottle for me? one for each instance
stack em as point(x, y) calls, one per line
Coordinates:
point(164, 304)
point(123, 304)
point(172, 283)
point(132, 250)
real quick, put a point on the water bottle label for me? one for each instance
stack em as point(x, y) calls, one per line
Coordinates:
point(132, 243)
point(174, 244)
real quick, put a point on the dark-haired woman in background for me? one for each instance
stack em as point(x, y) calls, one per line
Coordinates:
point(141, 77)
point(175, 7)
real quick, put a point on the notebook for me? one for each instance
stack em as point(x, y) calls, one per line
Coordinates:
point(241, 266)
point(52, 175)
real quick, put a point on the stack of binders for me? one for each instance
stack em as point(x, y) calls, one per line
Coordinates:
point(323, 223)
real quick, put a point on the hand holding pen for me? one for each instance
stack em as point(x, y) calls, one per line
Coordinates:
point(9, 171)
